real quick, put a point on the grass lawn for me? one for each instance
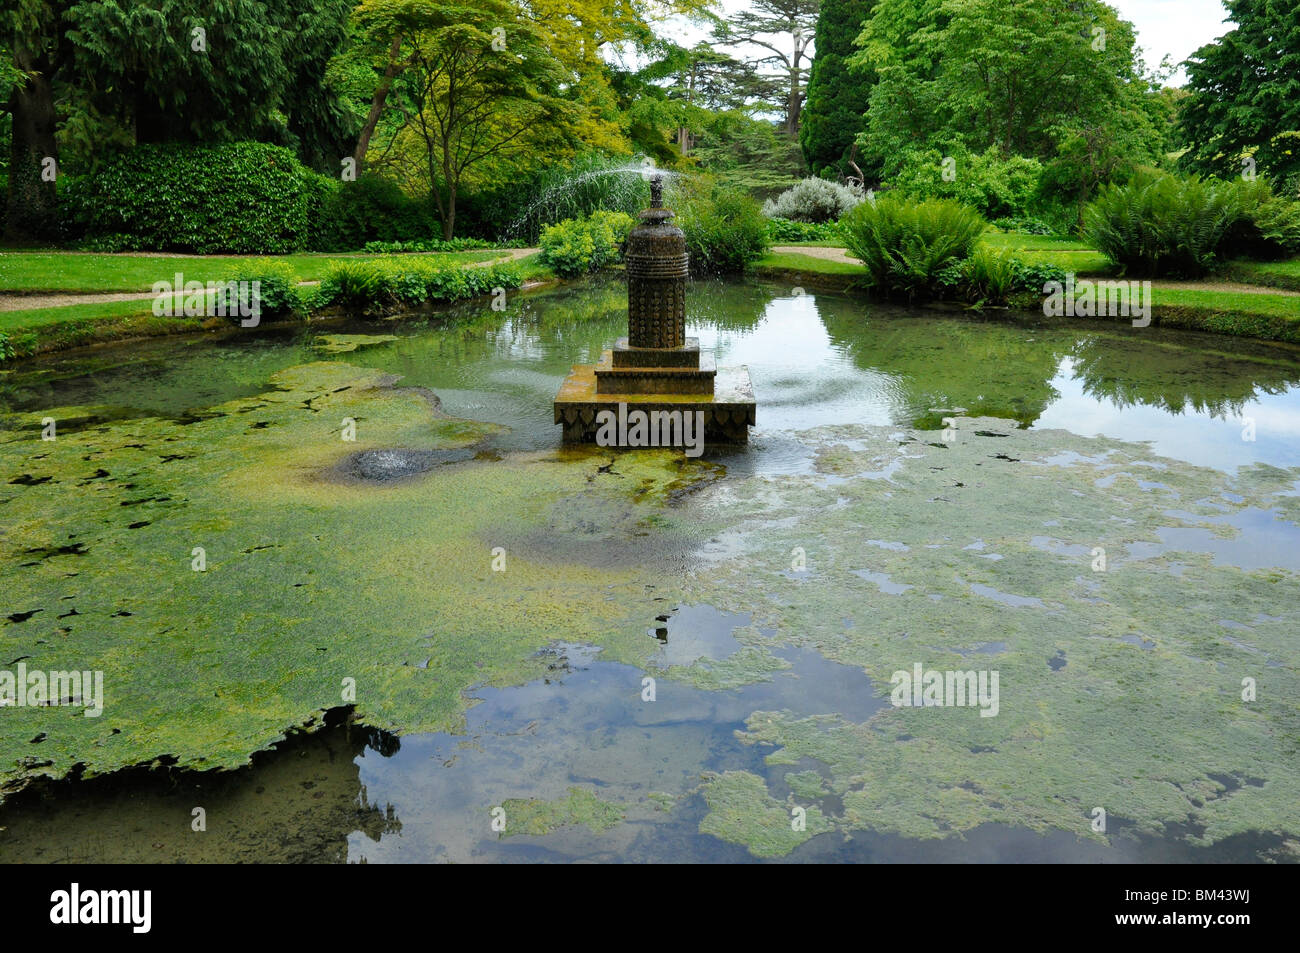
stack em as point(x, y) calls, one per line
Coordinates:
point(1273, 274)
point(91, 272)
point(1280, 306)
point(793, 261)
point(1072, 254)
point(39, 317)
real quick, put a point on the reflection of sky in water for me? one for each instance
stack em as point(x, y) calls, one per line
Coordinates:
point(815, 360)
point(800, 377)
point(1194, 436)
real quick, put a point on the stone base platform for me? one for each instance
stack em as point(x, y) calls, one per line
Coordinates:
point(655, 379)
point(728, 411)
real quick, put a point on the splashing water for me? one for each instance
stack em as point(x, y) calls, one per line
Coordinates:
point(581, 192)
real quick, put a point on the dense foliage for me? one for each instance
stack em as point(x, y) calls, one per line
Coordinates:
point(993, 184)
point(276, 290)
point(905, 246)
point(377, 286)
point(579, 246)
point(835, 111)
point(813, 200)
point(784, 230)
point(725, 228)
point(1163, 224)
point(1245, 94)
point(241, 198)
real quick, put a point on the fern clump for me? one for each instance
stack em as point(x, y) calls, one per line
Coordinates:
point(906, 246)
point(1160, 224)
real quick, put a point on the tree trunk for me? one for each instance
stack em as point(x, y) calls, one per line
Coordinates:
point(794, 103)
point(32, 201)
point(377, 103)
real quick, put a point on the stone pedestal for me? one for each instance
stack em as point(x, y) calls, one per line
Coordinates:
point(656, 368)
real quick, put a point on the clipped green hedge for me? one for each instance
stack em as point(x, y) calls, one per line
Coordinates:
point(241, 198)
point(385, 285)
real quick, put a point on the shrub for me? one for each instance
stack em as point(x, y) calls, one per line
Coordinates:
point(383, 285)
point(1269, 227)
point(1161, 224)
point(241, 198)
point(905, 245)
point(428, 245)
point(725, 228)
point(370, 210)
point(6, 347)
point(1031, 278)
point(579, 246)
point(277, 286)
point(1025, 225)
point(991, 275)
point(813, 200)
point(994, 185)
point(785, 230)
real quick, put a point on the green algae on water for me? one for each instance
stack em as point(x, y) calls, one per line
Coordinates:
point(579, 806)
point(229, 588)
point(1121, 689)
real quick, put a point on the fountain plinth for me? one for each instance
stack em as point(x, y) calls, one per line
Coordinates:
point(656, 368)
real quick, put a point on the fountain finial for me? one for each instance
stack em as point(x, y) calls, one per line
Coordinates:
point(657, 190)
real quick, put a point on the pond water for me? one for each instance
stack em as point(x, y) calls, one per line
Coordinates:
point(1214, 421)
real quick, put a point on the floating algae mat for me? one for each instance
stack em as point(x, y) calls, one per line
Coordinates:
point(450, 620)
point(231, 584)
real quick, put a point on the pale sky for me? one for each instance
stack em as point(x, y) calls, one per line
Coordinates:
point(1176, 28)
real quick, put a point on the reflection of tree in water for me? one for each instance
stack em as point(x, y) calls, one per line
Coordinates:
point(1177, 376)
point(1004, 366)
point(296, 804)
point(1000, 368)
point(726, 305)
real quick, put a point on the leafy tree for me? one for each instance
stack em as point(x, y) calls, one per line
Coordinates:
point(205, 70)
point(1055, 80)
point(29, 30)
point(835, 112)
point(479, 84)
point(152, 71)
point(1245, 93)
point(794, 21)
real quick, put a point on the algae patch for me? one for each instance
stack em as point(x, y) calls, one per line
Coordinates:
point(1121, 689)
point(230, 589)
point(579, 807)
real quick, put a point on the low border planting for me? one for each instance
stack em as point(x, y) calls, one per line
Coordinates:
point(380, 286)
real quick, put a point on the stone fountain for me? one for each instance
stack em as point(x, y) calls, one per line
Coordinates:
point(656, 369)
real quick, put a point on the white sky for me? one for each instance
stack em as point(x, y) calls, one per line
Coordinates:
point(1176, 28)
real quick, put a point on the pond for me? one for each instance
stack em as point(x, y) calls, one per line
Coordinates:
point(572, 653)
